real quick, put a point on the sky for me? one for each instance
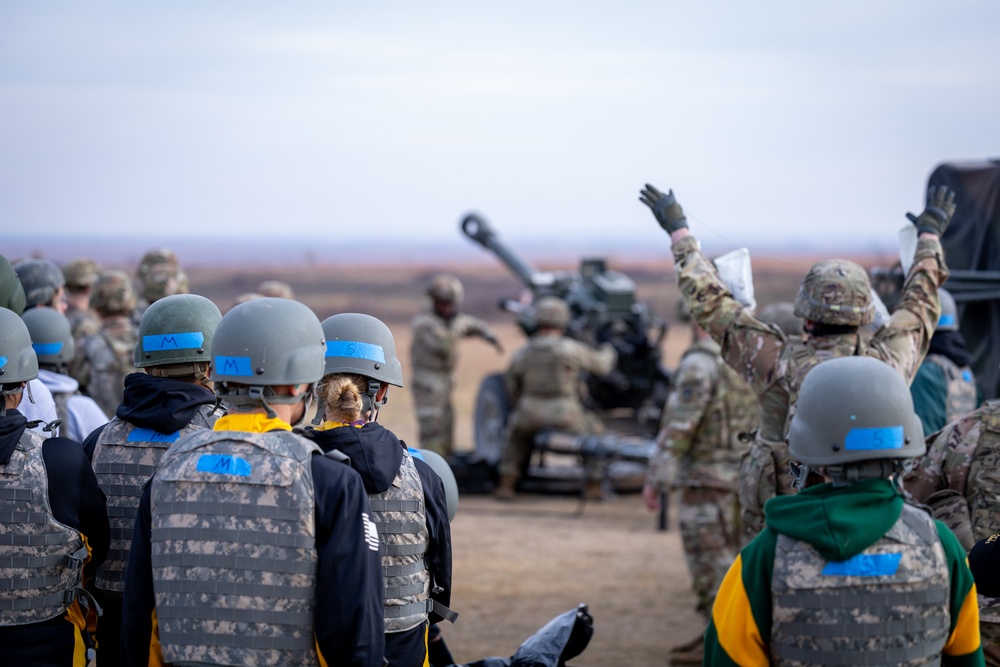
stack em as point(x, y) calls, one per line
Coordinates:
point(355, 127)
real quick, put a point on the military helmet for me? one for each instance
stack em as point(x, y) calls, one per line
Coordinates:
point(113, 294)
point(176, 329)
point(363, 345)
point(268, 341)
point(853, 409)
point(440, 466)
point(551, 312)
point(949, 311)
point(11, 290)
point(81, 272)
point(836, 291)
point(276, 288)
point(782, 315)
point(161, 275)
point(447, 288)
point(51, 336)
point(41, 279)
point(18, 362)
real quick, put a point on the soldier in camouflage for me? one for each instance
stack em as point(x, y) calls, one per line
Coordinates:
point(543, 386)
point(845, 572)
point(957, 479)
point(160, 274)
point(53, 526)
point(944, 388)
point(169, 398)
point(80, 275)
point(251, 547)
point(707, 418)
point(433, 357)
point(43, 284)
point(106, 357)
point(407, 497)
point(834, 300)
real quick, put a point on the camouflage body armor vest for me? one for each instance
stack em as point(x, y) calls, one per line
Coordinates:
point(961, 387)
point(548, 374)
point(233, 549)
point(888, 605)
point(401, 520)
point(44, 557)
point(984, 496)
point(731, 412)
point(124, 458)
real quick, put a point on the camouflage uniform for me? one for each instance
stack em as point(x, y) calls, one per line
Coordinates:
point(433, 357)
point(81, 274)
point(775, 365)
point(160, 275)
point(706, 414)
point(964, 458)
point(543, 387)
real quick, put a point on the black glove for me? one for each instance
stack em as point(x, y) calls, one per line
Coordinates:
point(492, 340)
point(668, 212)
point(937, 214)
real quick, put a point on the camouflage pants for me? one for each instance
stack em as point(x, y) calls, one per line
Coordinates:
point(710, 532)
point(524, 424)
point(764, 473)
point(435, 415)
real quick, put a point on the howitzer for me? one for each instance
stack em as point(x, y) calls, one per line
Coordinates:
point(603, 309)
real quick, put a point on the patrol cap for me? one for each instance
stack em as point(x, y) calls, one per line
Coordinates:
point(41, 279)
point(18, 362)
point(51, 336)
point(948, 321)
point(177, 329)
point(836, 291)
point(11, 290)
point(363, 345)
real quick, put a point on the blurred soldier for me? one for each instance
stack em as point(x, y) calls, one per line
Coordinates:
point(958, 480)
point(80, 275)
point(170, 398)
point(707, 418)
point(53, 344)
point(53, 523)
point(107, 355)
point(944, 388)
point(160, 275)
point(407, 497)
point(43, 284)
point(846, 573)
point(276, 288)
point(543, 386)
point(835, 298)
point(782, 315)
point(434, 355)
point(250, 527)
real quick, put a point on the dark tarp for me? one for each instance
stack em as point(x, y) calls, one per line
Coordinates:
point(972, 250)
point(561, 639)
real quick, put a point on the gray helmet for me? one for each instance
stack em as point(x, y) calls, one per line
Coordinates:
point(551, 312)
point(81, 272)
point(113, 294)
point(11, 290)
point(18, 362)
point(949, 312)
point(782, 314)
point(446, 287)
point(852, 410)
point(176, 329)
point(362, 345)
point(836, 291)
point(51, 336)
point(268, 341)
point(41, 279)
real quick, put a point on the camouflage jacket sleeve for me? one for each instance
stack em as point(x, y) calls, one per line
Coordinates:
point(749, 345)
point(948, 459)
point(687, 403)
point(513, 378)
point(432, 342)
point(596, 361)
point(467, 325)
point(904, 341)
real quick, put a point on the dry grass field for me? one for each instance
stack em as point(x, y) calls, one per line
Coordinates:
point(519, 564)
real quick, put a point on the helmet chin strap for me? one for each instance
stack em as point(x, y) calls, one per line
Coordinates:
point(369, 404)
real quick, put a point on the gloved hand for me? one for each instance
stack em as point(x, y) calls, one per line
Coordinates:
point(668, 212)
point(937, 214)
point(492, 340)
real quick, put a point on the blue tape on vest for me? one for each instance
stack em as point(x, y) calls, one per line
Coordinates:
point(355, 350)
point(239, 366)
point(42, 349)
point(190, 340)
point(865, 565)
point(967, 375)
point(3, 361)
point(946, 321)
point(224, 464)
point(149, 435)
point(863, 439)
point(415, 453)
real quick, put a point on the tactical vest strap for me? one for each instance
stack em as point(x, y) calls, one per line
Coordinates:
point(15, 540)
point(861, 599)
point(230, 640)
point(215, 613)
point(397, 527)
point(403, 570)
point(403, 591)
point(20, 583)
point(253, 510)
point(26, 604)
point(908, 654)
point(401, 549)
point(241, 588)
point(15, 494)
point(238, 562)
point(123, 469)
point(860, 631)
point(390, 505)
point(212, 535)
point(410, 609)
point(443, 611)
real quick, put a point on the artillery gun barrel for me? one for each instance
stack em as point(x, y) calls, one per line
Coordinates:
point(477, 229)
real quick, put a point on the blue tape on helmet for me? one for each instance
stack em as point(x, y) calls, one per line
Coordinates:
point(224, 464)
point(415, 453)
point(946, 320)
point(865, 565)
point(3, 361)
point(139, 434)
point(238, 366)
point(44, 349)
point(863, 439)
point(188, 340)
point(355, 350)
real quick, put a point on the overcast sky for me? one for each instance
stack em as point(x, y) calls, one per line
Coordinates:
point(773, 121)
